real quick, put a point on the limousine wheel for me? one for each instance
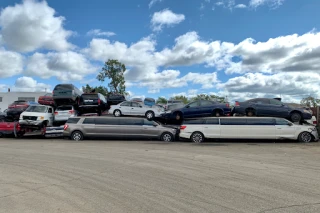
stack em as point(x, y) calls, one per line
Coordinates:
point(149, 115)
point(77, 136)
point(197, 137)
point(167, 136)
point(305, 137)
point(117, 113)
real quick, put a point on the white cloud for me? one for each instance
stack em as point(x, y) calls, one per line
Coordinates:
point(153, 2)
point(27, 84)
point(240, 6)
point(66, 66)
point(32, 25)
point(98, 32)
point(271, 3)
point(292, 53)
point(165, 18)
point(11, 63)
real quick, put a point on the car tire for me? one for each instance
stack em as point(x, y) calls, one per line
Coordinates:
point(178, 116)
point(77, 136)
point(149, 115)
point(305, 137)
point(117, 113)
point(197, 137)
point(250, 112)
point(295, 117)
point(167, 137)
point(217, 113)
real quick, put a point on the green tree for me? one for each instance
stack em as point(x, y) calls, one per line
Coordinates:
point(208, 97)
point(161, 100)
point(181, 98)
point(310, 101)
point(100, 89)
point(114, 70)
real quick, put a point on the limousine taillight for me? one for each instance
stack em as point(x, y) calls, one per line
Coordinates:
point(65, 126)
point(183, 127)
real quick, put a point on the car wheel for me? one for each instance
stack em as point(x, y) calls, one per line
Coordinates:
point(99, 112)
point(217, 113)
point(197, 137)
point(77, 136)
point(295, 117)
point(305, 137)
point(250, 113)
point(149, 115)
point(167, 137)
point(117, 113)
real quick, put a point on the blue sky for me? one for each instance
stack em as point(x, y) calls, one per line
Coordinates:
point(180, 47)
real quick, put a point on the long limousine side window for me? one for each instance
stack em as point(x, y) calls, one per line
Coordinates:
point(261, 121)
point(89, 121)
point(106, 121)
point(193, 121)
point(134, 122)
point(240, 121)
point(212, 121)
point(282, 122)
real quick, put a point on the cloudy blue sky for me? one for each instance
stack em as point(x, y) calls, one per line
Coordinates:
point(236, 48)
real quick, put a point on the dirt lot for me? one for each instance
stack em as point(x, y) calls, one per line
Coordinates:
point(54, 175)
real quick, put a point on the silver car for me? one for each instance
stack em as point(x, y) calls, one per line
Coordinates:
point(78, 128)
point(63, 113)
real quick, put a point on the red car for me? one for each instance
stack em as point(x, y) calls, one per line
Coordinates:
point(7, 128)
point(46, 99)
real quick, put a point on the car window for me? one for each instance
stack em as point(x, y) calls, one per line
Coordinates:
point(194, 104)
point(205, 103)
point(89, 96)
point(275, 102)
point(194, 121)
point(125, 104)
point(212, 121)
point(282, 122)
point(49, 110)
point(147, 122)
point(89, 121)
point(64, 87)
point(226, 121)
point(134, 104)
point(261, 121)
point(73, 120)
point(106, 121)
point(262, 101)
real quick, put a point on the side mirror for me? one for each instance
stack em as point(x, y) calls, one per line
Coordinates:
point(290, 124)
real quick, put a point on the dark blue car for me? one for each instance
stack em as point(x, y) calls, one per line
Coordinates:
point(198, 108)
point(271, 107)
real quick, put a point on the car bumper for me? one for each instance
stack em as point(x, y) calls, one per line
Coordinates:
point(30, 124)
point(185, 135)
point(315, 135)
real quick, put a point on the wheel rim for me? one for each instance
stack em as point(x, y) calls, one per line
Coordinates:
point(149, 115)
point(295, 117)
point(217, 114)
point(117, 113)
point(178, 117)
point(197, 138)
point(306, 137)
point(77, 136)
point(250, 113)
point(167, 137)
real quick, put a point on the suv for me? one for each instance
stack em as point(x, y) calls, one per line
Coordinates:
point(66, 94)
point(79, 127)
point(92, 103)
point(63, 113)
point(114, 99)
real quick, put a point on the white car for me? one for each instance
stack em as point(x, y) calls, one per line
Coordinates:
point(37, 115)
point(135, 109)
point(246, 128)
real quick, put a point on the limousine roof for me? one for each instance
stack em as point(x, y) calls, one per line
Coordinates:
point(244, 117)
point(107, 117)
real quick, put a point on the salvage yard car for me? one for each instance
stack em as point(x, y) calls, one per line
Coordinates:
point(136, 109)
point(271, 107)
point(96, 126)
point(246, 128)
point(37, 117)
point(66, 94)
point(199, 108)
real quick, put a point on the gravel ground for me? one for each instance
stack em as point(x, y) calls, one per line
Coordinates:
point(55, 175)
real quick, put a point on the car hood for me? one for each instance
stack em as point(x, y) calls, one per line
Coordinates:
point(33, 114)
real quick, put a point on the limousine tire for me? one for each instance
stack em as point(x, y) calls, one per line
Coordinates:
point(117, 113)
point(77, 136)
point(167, 137)
point(305, 137)
point(197, 137)
point(149, 115)
point(295, 117)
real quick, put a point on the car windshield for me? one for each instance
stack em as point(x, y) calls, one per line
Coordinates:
point(36, 109)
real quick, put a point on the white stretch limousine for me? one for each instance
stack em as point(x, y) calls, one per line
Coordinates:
point(246, 128)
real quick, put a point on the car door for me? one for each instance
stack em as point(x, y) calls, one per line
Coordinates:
point(261, 128)
point(137, 109)
point(278, 109)
point(191, 110)
point(285, 129)
point(125, 108)
point(51, 116)
point(105, 127)
point(211, 128)
point(150, 128)
point(206, 108)
point(132, 127)
point(261, 106)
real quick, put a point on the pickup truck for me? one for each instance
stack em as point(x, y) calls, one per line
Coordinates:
point(37, 117)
